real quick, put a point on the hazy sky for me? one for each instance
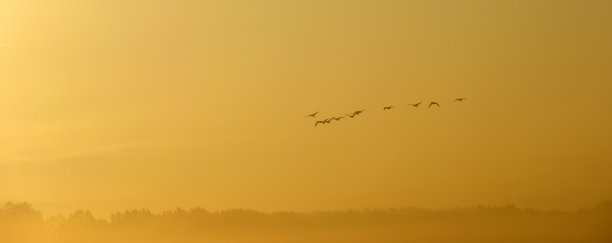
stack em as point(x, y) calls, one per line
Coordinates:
point(109, 105)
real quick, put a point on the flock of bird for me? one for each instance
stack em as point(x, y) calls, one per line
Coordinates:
point(358, 112)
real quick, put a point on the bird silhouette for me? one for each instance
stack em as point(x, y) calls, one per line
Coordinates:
point(352, 115)
point(388, 108)
point(323, 121)
point(338, 118)
point(313, 114)
point(460, 99)
point(416, 105)
point(433, 103)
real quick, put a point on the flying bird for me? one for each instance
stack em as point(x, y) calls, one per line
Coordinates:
point(338, 118)
point(460, 99)
point(352, 115)
point(322, 122)
point(416, 105)
point(388, 108)
point(433, 103)
point(358, 112)
point(313, 114)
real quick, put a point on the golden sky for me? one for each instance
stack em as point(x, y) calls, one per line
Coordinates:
point(109, 105)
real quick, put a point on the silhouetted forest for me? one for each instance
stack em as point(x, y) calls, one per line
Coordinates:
point(20, 222)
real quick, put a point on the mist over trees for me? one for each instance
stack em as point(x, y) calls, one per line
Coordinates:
point(20, 222)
